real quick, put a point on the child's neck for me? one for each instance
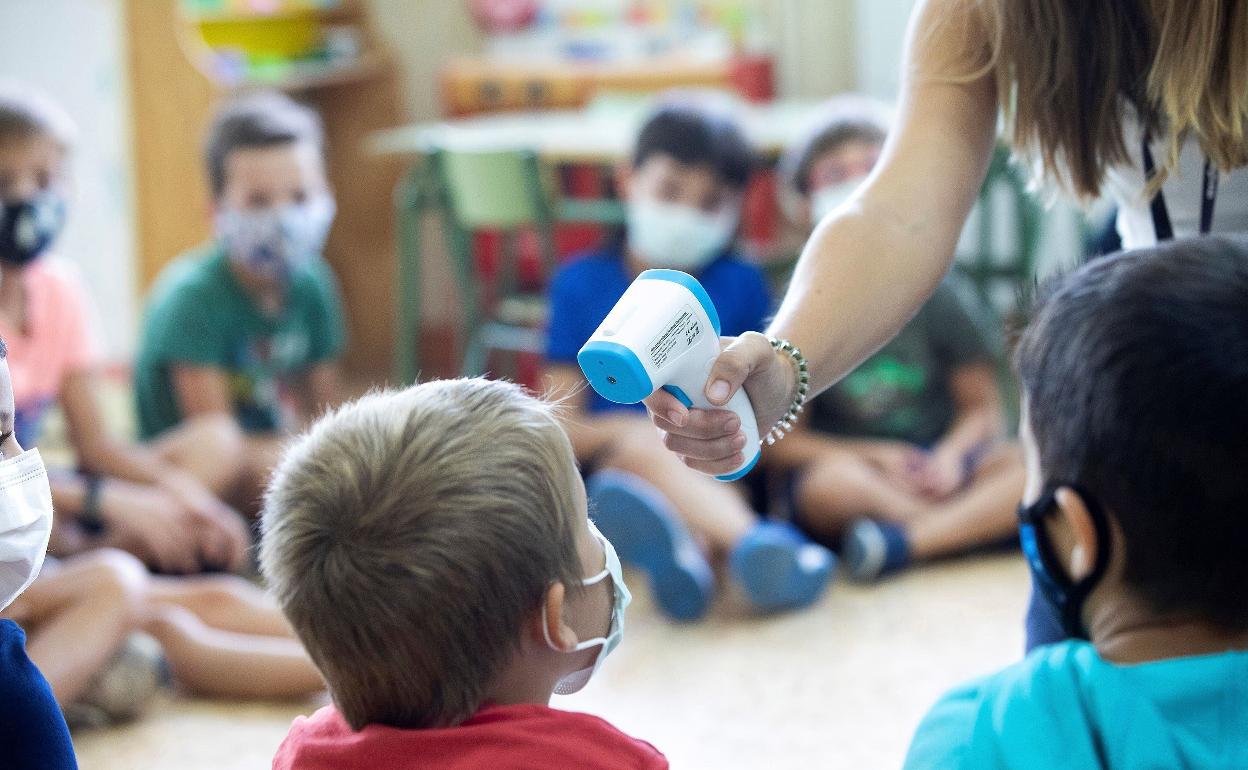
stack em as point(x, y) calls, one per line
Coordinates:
point(1125, 631)
point(522, 682)
point(268, 294)
point(634, 265)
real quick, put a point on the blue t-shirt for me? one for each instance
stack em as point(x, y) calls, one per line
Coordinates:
point(32, 731)
point(584, 291)
point(1066, 707)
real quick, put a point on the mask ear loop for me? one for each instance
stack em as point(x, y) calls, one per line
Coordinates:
point(1074, 592)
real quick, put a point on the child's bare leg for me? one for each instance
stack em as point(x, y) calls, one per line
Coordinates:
point(843, 485)
point(223, 602)
point(982, 514)
point(77, 617)
point(714, 511)
point(209, 447)
point(212, 662)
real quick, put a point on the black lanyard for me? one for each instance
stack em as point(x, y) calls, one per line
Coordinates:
point(1161, 216)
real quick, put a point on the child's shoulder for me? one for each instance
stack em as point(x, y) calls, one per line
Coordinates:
point(193, 272)
point(604, 261)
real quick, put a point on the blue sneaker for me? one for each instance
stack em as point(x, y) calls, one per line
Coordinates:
point(780, 568)
point(647, 533)
point(874, 549)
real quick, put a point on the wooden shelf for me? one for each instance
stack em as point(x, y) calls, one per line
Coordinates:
point(342, 12)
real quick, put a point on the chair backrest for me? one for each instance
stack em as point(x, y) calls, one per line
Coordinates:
point(493, 189)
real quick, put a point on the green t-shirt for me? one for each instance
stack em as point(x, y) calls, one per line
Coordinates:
point(199, 315)
point(902, 392)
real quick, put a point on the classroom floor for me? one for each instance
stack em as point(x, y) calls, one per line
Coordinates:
point(841, 685)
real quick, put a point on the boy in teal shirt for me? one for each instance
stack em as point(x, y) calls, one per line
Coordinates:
point(1135, 432)
point(250, 324)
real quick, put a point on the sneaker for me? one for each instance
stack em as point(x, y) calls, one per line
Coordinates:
point(874, 549)
point(122, 691)
point(647, 533)
point(780, 568)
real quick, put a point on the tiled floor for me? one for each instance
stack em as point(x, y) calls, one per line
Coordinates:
point(839, 686)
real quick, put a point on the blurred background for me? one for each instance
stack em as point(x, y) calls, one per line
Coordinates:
point(565, 80)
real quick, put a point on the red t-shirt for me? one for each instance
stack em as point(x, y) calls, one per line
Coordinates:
point(522, 737)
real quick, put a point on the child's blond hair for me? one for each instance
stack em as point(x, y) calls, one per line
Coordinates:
point(409, 536)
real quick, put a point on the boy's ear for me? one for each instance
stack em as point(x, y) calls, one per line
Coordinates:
point(551, 626)
point(624, 180)
point(1082, 531)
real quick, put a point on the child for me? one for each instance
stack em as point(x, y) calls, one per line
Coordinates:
point(159, 501)
point(903, 458)
point(1135, 432)
point(684, 193)
point(248, 327)
point(33, 733)
point(431, 548)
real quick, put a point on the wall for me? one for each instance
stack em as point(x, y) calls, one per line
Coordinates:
point(74, 50)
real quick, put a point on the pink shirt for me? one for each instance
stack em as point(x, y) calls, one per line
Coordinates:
point(59, 338)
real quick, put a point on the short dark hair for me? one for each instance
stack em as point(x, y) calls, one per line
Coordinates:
point(845, 118)
point(1136, 372)
point(410, 535)
point(697, 134)
point(26, 113)
point(254, 120)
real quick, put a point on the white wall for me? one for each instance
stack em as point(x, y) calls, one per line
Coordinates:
point(75, 51)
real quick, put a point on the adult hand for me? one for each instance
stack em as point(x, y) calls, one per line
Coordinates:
point(224, 535)
point(710, 440)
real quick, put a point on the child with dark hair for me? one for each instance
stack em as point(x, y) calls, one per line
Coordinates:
point(432, 549)
point(161, 501)
point(684, 192)
point(1135, 431)
point(248, 328)
point(904, 459)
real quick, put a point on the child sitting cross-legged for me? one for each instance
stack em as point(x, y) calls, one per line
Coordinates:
point(432, 549)
point(1135, 433)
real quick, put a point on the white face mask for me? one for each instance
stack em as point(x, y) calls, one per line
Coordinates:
point(25, 522)
point(274, 241)
point(679, 237)
point(826, 199)
point(578, 679)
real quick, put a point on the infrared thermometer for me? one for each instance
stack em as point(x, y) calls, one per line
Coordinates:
point(664, 333)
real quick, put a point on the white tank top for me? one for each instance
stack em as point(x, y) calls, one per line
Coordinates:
point(1183, 192)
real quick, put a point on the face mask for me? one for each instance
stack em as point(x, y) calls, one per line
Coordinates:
point(826, 199)
point(1049, 576)
point(27, 228)
point(25, 523)
point(577, 679)
point(273, 242)
point(678, 237)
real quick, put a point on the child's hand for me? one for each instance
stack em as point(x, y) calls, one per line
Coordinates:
point(152, 524)
point(943, 473)
point(223, 535)
point(902, 463)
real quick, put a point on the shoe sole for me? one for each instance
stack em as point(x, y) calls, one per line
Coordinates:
point(775, 578)
point(680, 578)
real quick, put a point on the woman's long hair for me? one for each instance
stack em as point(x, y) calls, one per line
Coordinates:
point(1067, 70)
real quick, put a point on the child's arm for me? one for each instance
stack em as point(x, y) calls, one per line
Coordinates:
point(322, 390)
point(979, 419)
point(218, 531)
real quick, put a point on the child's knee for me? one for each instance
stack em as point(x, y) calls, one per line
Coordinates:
point(115, 578)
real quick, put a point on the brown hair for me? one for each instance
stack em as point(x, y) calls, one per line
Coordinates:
point(26, 113)
point(844, 118)
point(409, 535)
point(254, 120)
point(1066, 70)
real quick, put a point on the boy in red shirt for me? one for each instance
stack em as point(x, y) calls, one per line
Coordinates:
point(432, 549)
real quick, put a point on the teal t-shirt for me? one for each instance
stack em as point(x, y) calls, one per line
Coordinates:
point(1066, 707)
point(199, 315)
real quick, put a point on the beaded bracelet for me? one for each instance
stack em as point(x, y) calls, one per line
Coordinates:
point(786, 423)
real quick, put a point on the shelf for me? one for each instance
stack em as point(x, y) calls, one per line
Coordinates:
point(338, 13)
point(311, 76)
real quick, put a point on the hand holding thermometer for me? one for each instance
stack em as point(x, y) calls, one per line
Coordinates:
point(664, 333)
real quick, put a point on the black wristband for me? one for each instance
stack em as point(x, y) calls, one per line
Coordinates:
point(89, 517)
